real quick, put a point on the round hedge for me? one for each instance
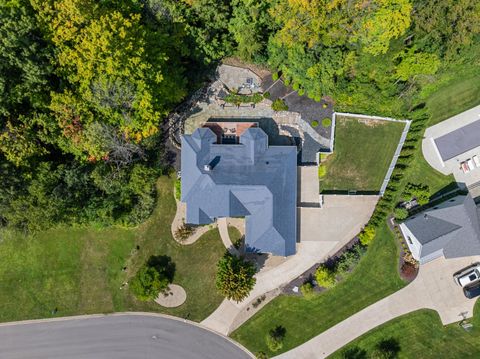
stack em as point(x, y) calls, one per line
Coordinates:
point(326, 122)
point(314, 123)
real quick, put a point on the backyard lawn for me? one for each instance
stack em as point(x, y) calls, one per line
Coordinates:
point(362, 153)
point(79, 270)
point(419, 335)
point(375, 277)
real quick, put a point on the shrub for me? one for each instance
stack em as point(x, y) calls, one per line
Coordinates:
point(296, 86)
point(400, 213)
point(275, 338)
point(275, 76)
point(261, 355)
point(307, 290)
point(148, 283)
point(234, 278)
point(419, 191)
point(324, 105)
point(314, 123)
point(408, 270)
point(317, 98)
point(325, 277)
point(349, 259)
point(367, 235)
point(286, 81)
point(323, 156)
point(266, 95)
point(301, 92)
point(322, 171)
point(279, 105)
point(326, 122)
point(183, 232)
point(178, 189)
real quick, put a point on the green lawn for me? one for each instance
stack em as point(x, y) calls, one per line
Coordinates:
point(375, 277)
point(420, 335)
point(460, 94)
point(79, 270)
point(362, 154)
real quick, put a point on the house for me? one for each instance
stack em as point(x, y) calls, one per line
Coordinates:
point(450, 229)
point(224, 176)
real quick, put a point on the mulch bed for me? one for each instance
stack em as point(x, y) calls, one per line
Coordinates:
point(309, 274)
point(407, 271)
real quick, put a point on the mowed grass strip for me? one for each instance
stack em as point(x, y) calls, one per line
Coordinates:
point(374, 278)
point(362, 154)
point(420, 335)
point(80, 270)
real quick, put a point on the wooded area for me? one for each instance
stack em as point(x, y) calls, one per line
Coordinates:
point(85, 85)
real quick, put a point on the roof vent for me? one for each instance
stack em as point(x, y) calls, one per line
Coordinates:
point(207, 168)
point(425, 216)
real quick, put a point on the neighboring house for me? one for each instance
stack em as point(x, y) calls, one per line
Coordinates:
point(450, 229)
point(240, 175)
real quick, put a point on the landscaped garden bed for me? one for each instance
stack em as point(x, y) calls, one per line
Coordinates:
point(363, 152)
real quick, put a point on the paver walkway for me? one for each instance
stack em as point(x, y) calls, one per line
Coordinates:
point(433, 288)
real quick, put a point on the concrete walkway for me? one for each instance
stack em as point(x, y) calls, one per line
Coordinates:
point(433, 288)
point(179, 220)
point(223, 229)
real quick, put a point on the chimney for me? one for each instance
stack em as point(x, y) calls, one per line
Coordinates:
point(207, 168)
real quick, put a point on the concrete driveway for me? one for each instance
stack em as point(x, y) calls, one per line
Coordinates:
point(114, 337)
point(339, 220)
point(433, 288)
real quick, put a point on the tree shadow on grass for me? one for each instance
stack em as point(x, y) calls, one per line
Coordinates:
point(354, 353)
point(164, 265)
point(388, 348)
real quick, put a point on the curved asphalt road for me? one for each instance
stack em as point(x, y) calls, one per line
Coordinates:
point(114, 337)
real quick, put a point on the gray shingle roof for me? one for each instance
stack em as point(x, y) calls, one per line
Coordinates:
point(248, 179)
point(452, 226)
point(459, 141)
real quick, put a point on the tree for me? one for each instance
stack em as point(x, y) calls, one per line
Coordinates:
point(120, 72)
point(249, 26)
point(235, 277)
point(446, 26)
point(148, 283)
point(275, 337)
point(415, 64)
point(325, 276)
point(388, 20)
point(25, 69)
